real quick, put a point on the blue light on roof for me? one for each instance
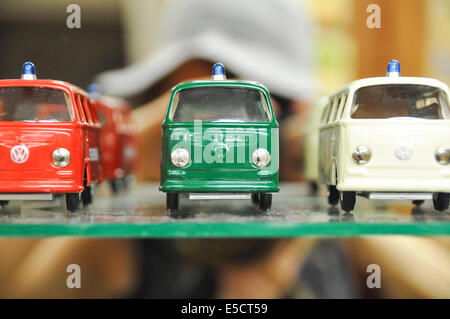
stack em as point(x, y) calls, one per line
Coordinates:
point(28, 71)
point(218, 72)
point(393, 68)
point(93, 89)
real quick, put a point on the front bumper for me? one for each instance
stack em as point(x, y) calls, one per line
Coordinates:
point(219, 186)
point(393, 184)
point(26, 196)
point(52, 186)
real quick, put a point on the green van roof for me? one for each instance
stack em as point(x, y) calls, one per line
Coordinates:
point(199, 83)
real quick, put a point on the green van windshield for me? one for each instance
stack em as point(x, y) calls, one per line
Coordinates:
point(220, 104)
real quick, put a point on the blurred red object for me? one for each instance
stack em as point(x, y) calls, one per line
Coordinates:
point(117, 141)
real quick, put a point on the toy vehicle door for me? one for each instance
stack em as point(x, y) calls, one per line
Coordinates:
point(94, 139)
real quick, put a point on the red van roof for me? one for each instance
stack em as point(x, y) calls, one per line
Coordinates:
point(45, 83)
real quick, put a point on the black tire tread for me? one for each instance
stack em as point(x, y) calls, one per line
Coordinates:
point(172, 200)
point(441, 201)
point(333, 195)
point(348, 201)
point(265, 201)
point(73, 202)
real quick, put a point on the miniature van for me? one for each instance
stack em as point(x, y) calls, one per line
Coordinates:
point(311, 144)
point(387, 138)
point(49, 135)
point(117, 141)
point(220, 141)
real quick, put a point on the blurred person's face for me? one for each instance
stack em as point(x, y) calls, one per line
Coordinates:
point(152, 104)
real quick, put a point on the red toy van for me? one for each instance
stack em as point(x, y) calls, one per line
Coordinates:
point(49, 133)
point(117, 140)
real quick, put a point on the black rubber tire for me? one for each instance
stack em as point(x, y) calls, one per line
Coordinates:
point(86, 195)
point(4, 202)
point(73, 202)
point(265, 201)
point(441, 201)
point(172, 200)
point(348, 201)
point(255, 198)
point(333, 195)
point(114, 184)
point(418, 202)
point(313, 188)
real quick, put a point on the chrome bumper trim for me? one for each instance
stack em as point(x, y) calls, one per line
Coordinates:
point(213, 196)
point(25, 196)
point(401, 196)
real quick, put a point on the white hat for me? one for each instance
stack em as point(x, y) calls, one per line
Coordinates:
point(260, 40)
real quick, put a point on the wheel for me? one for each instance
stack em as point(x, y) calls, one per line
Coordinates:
point(86, 195)
point(313, 188)
point(172, 201)
point(255, 198)
point(114, 184)
point(333, 195)
point(73, 202)
point(418, 202)
point(348, 201)
point(265, 201)
point(441, 201)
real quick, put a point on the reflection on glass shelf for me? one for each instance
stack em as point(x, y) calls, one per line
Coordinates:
point(141, 213)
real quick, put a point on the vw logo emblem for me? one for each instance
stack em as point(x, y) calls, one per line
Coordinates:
point(403, 152)
point(217, 149)
point(19, 154)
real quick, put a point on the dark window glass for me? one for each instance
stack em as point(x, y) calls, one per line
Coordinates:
point(400, 101)
point(101, 118)
point(34, 104)
point(220, 104)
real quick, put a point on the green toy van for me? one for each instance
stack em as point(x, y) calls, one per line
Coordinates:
point(220, 141)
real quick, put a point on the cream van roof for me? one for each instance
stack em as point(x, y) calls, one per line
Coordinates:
point(353, 86)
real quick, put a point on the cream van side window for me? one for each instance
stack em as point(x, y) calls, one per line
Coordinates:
point(326, 113)
point(333, 108)
point(341, 106)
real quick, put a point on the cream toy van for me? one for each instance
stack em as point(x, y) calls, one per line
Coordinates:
point(387, 138)
point(311, 144)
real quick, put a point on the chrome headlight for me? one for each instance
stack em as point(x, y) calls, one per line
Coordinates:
point(443, 155)
point(361, 155)
point(180, 157)
point(61, 157)
point(261, 157)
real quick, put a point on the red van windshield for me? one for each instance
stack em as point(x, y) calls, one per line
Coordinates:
point(34, 104)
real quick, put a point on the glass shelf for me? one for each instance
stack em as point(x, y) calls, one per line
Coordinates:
point(141, 213)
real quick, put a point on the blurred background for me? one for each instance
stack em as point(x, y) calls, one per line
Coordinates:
point(338, 47)
point(116, 33)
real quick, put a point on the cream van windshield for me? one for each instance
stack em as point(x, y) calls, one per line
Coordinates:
point(400, 101)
